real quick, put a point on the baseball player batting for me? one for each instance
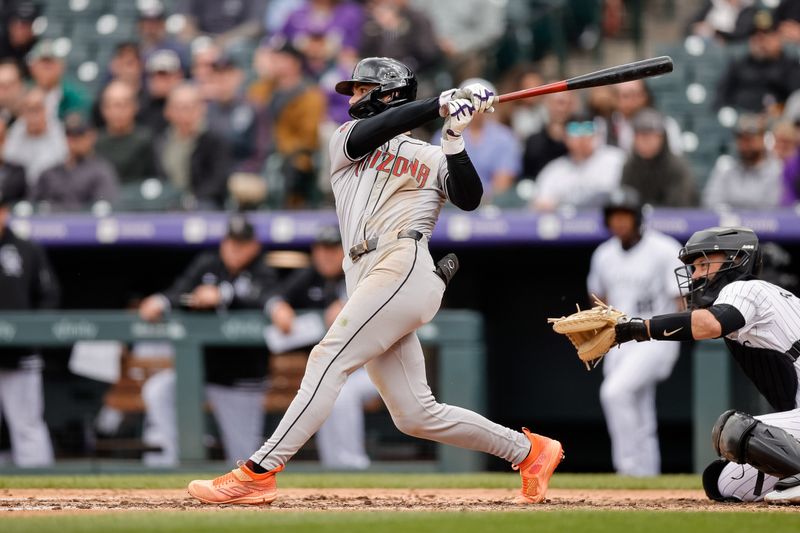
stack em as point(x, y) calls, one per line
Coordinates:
point(389, 190)
point(760, 323)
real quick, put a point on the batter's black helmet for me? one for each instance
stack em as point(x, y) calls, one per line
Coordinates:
point(623, 199)
point(742, 261)
point(391, 77)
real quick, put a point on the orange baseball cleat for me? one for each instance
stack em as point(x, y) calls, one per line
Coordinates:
point(537, 469)
point(240, 485)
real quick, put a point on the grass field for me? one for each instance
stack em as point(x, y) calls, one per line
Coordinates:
point(569, 510)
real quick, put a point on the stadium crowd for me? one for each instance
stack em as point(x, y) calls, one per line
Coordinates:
point(228, 105)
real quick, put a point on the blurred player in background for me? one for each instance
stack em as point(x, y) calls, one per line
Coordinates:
point(340, 440)
point(26, 282)
point(634, 269)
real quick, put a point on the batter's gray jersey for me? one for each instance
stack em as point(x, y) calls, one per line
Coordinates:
point(398, 186)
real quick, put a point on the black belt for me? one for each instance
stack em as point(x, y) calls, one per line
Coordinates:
point(369, 245)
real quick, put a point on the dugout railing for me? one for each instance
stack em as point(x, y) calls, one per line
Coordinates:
point(456, 336)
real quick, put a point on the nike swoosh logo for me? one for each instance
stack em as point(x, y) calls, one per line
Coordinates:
point(671, 333)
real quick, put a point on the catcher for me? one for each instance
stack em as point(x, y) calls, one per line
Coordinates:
point(760, 323)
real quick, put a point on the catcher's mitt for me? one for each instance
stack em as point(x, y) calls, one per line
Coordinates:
point(591, 331)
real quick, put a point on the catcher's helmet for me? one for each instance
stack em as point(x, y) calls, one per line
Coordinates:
point(742, 261)
point(391, 77)
point(623, 199)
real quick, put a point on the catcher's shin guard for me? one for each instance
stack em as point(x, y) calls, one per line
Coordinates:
point(742, 439)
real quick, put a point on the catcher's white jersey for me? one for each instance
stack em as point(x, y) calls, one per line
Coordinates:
point(639, 281)
point(771, 315)
point(399, 186)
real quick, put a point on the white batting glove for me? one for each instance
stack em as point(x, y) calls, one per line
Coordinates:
point(480, 95)
point(459, 114)
point(445, 98)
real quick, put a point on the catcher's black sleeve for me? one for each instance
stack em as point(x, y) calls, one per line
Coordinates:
point(463, 184)
point(730, 319)
point(369, 133)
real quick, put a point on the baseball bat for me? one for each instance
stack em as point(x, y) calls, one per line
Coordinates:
point(609, 76)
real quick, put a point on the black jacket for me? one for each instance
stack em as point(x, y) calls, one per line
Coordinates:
point(249, 290)
point(26, 282)
point(307, 289)
point(749, 83)
point(209, 167)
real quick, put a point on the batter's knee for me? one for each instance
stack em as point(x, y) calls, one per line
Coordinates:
point(410, 425)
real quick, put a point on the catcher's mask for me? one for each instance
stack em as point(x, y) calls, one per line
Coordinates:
point(392, 79)
point(742, 260)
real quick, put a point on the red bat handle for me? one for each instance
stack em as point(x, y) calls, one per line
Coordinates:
point(610, 76)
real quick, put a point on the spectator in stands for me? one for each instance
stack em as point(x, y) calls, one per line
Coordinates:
point(12, 88)
point(527, 116)
point(752, 179)
point(17, 39)
point(12, 177)
point(126, 65)
point(548, 144)
point(589, 171)
point(294, 108)
point(632, 97)
point(321, 286)
point(234, 277)
point(163, 75)
point(660, 177)
point(601, 103)
point(787, 15)
point(204, 54)
point(787, 149)
point(232, 117)
point(338, 21)
point(394, 29)
point(46, 63)
point(81, 180)
point(466, 30)
point(765, 77)
point(36, 140)
point(126, 145)
point(227, 22)
point(152, 31)
point(726, 20)
point(26, 282)
point(191, 158)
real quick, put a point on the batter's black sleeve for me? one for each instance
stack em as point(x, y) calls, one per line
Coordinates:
point(192, 277)
point(370, 133)
point(464, 187)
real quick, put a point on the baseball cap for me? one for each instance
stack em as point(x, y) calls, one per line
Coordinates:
point(282, 45)
point(27, 11)
point(45, 49)
point(76, 124)
point(224, 62)
point(329, 236)
point(163, 61)
point(240, 228)
point(648, 120)
point(762, 20)
point(750, 124)
point(151, 10)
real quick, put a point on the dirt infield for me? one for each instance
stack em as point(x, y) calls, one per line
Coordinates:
point(33, 501)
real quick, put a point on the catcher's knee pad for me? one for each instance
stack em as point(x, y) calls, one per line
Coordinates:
point(740, 438)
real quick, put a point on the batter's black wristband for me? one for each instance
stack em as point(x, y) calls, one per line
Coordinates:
point(633, 330)
point(672, 327)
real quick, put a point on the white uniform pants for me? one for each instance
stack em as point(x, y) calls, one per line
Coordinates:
point(22, 405)
point(239, 412)
point(628, 397)
point(739, 481)
point(392, 292)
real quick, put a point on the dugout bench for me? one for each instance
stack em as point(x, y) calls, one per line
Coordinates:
point(456, 334)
